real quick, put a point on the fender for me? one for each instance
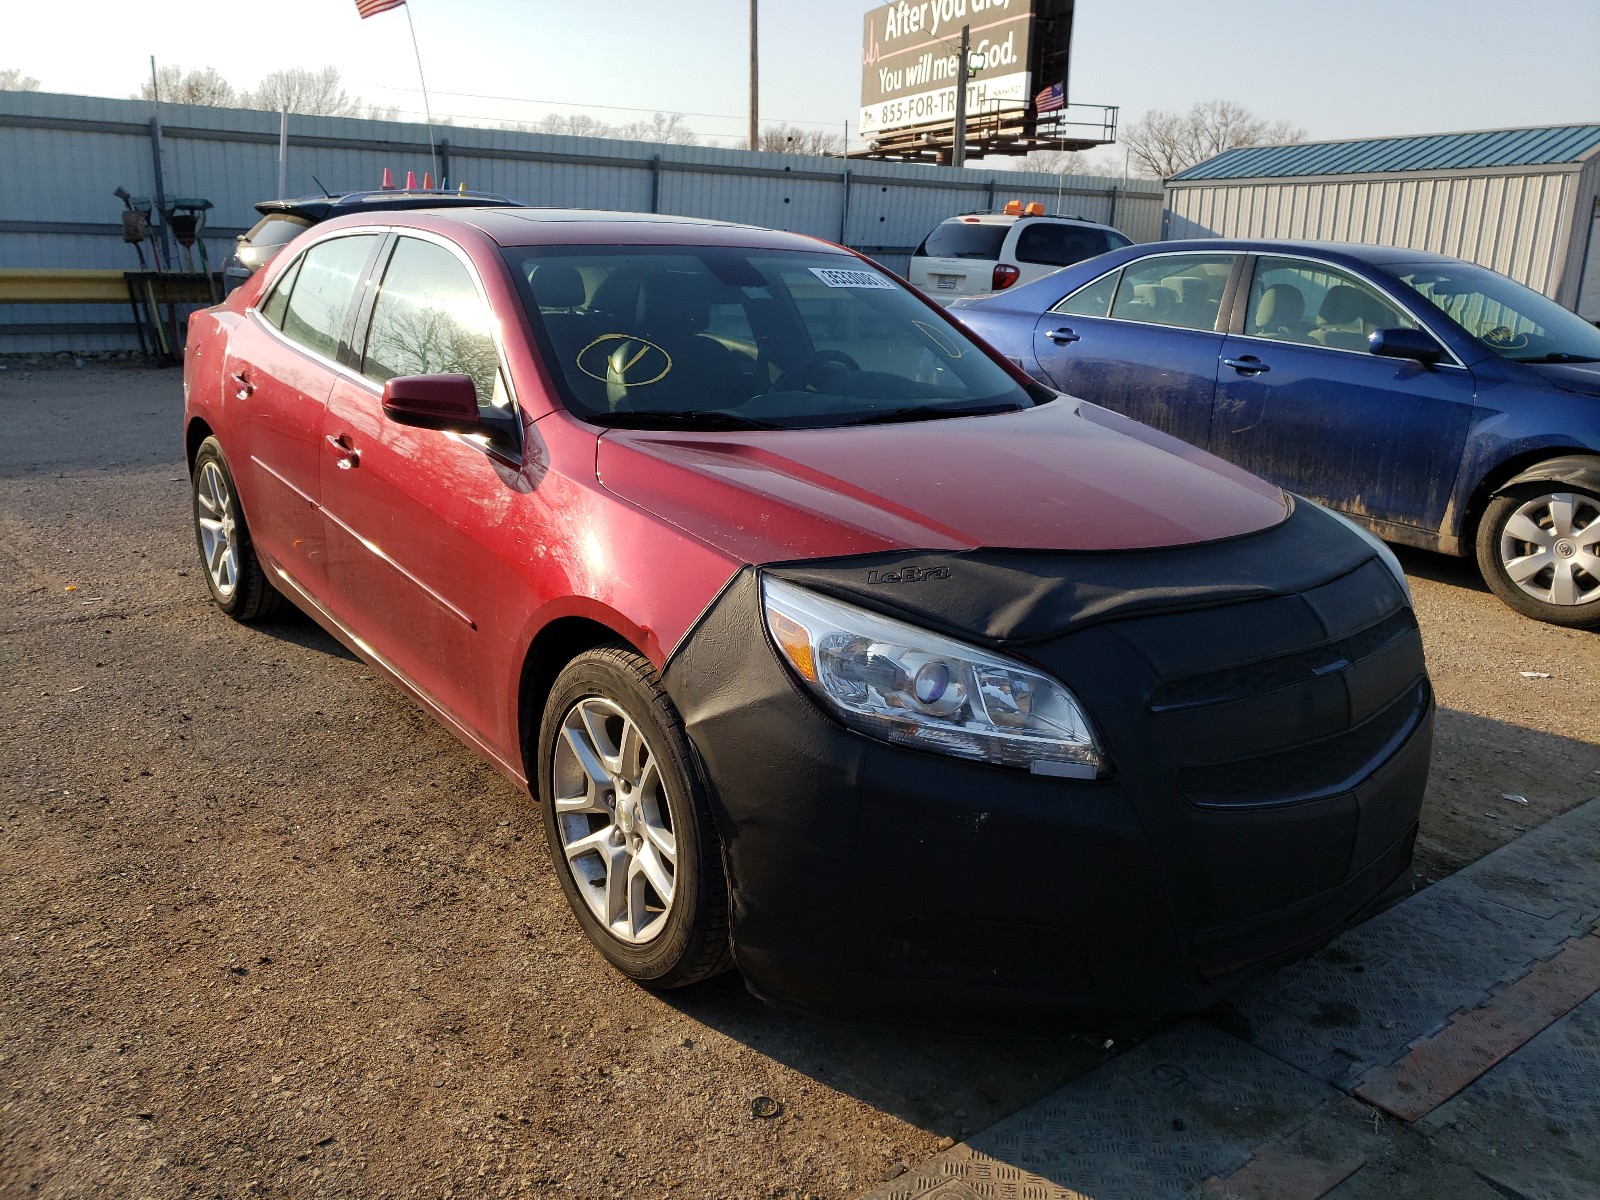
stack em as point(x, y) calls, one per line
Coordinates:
point(1581, 470)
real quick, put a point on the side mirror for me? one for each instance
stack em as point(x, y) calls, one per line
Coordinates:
point(432, 401)
point(1405, 343)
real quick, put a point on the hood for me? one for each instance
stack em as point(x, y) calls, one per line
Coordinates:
point(1583, 378)
point(1063, 476)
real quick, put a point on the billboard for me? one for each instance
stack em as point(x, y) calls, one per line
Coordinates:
point(910, 60)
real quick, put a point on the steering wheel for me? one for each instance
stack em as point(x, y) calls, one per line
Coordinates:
point(800, 375)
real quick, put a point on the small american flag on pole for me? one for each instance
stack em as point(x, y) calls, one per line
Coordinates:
point(1052, 98)
point(371, 8)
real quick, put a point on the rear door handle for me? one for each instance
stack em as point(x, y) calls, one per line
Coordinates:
point(1248, 364)
point(342, 450)
point(244, 386)
point(1062, 336)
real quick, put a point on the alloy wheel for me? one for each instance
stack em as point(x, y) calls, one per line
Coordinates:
point(214, 513)
point(614, 820)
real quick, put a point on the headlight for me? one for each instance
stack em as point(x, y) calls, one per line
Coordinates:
point(1377, 543)
point(903, 684)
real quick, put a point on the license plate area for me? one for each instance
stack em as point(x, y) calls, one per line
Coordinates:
point(947, 283)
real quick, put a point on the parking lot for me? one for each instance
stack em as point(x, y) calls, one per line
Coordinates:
point(269, 929)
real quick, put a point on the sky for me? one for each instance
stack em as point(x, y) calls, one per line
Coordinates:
point(1361, 68)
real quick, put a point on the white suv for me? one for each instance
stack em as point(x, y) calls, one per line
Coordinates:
point(978, 253)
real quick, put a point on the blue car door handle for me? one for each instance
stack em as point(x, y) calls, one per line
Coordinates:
point(1062, 336)
point(1247, 364)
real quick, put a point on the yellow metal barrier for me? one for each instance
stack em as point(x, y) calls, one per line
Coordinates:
point(49, 285)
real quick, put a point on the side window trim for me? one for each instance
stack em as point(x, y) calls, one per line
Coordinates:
point(352, 349)
point(1241, 298)
point(291, 275)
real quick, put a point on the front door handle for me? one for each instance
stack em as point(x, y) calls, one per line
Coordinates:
point(1062, 336)
point(342, 450)
point(1247, 364)
point(242, 384)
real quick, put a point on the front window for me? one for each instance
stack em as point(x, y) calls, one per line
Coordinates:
point(1515, 322)
point(429, 319)
point(1295, 300)
point(728, 338)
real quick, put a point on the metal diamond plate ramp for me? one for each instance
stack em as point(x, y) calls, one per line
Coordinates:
point(1364, 999)
point(1151, 1125)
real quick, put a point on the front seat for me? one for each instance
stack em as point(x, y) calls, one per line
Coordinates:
point(1345, 318)
point(666, 363)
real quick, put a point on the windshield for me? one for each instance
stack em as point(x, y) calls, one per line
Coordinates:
point(724, 338)
point(1514, 321)
point(964, 238)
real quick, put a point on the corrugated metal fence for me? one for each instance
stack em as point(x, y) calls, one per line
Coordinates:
point(61, 158)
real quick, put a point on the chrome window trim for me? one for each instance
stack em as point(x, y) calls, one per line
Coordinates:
point(1258, 255)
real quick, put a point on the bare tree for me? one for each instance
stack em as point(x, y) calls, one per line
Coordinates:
point(1055, 162)
point(204, 86)
point(1162, 143)
point(571, 125)
point(670, 128)
point(298, 90)
point(381, 112)
point(13, 80)
point(791, 139)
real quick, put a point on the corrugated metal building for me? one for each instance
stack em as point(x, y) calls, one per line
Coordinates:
point(63, 156)
point(1524, 202)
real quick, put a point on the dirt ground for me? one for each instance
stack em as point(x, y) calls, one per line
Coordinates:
point(269, 930)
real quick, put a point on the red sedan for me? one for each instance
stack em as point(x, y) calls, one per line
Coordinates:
point(827, 643)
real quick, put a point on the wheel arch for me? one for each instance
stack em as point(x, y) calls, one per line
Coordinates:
point(552, 648)
point(196, 432)
point(1569, 464)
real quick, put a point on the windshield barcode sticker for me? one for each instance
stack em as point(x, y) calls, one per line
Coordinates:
point(836, 277)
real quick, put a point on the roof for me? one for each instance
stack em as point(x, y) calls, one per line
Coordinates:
point(1549, 144)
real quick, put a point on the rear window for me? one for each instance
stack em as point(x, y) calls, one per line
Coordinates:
point(720, 337)
point(963, 239)
point(274, 230)
point(1059, 245)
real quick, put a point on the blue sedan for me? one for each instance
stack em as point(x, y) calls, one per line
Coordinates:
point(1440, 404)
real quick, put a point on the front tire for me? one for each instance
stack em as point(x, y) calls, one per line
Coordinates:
point(1539, 551)
point(628, 826)
point(238, 585)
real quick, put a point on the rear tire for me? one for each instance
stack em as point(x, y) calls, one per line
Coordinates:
point(233, 574)
point(1539, 550)
point(628, 826)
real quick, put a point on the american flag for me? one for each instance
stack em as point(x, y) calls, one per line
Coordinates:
point(1049, 100)
point(371, 8)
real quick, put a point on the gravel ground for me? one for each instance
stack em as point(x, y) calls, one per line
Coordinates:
point(268, 930)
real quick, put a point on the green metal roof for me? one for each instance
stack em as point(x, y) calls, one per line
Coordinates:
point(1432, 152)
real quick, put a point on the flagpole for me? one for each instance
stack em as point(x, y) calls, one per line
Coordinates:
point(427, 109)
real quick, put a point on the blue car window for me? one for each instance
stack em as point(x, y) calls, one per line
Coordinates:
point(1091, 300)
point(1181, 290)
point(1313, 304)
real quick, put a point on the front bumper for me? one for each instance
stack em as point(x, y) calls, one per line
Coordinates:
point(1269, 761)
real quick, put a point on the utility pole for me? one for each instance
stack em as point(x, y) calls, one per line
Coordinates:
point(755, 81)
point(958, 151)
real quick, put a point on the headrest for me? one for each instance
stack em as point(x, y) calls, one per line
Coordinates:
point(1281, 304)
point(671, 303)
point(1190, 288)
point(556, 285)
point(1344, 305)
